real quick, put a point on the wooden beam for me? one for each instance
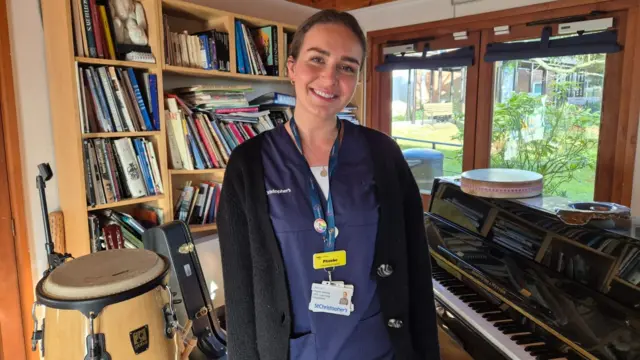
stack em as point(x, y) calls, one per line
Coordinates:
point(342, 5)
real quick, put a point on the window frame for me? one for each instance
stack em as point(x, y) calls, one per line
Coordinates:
point(620, 103)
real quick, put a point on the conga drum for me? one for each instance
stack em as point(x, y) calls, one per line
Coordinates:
point(113, 305)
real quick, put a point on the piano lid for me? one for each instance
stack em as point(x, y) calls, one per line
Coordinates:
point(581, 281)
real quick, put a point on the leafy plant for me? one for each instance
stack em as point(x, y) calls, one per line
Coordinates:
point(545, 134)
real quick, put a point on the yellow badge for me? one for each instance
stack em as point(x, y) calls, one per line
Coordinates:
point(329, 259)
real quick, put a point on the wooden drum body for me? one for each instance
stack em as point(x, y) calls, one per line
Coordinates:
point(116, 300)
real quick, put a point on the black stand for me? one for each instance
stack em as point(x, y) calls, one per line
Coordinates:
point(54, 258)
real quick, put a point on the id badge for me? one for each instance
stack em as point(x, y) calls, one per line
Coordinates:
point(331, 298)
point(330, 259)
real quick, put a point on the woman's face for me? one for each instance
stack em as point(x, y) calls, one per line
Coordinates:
point(326, 71)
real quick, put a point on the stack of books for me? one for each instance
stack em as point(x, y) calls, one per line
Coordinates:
point(198, 204)
point(108, 29)
point(117, 100)
point(207, 50)
point(629, 269)
point(279, 106)
point(117, 169)
point(205, 124)
point(257, 49)
point(349, 114)
point(516, 237)
point(110, 229)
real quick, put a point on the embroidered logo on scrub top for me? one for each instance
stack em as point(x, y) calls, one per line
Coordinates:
point(278, 191)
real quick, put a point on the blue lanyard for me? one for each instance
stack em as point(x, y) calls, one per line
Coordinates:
point(326, 227)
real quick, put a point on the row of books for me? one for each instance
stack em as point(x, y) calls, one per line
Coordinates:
point(629, 269)
point(117, 99)
point(572, 265)
point(111, 29)
point(257, 49)
point(516, 237)
point(111, 229)
point(584, 235)
point(198, 204)
point(204, 139)
point(117, 169)
point(207, 50)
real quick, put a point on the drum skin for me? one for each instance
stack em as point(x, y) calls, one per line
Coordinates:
point(66, 331)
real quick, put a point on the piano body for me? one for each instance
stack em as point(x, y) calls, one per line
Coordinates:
point(512, 281)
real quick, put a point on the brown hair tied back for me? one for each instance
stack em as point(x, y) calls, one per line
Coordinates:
point(328, 17)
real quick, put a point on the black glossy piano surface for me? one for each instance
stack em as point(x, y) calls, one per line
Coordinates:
point(531, 285)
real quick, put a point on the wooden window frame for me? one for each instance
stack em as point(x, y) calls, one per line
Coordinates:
point(614, 176)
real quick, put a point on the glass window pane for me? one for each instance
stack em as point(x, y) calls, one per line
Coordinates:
point(546, 118)
point(428, 120)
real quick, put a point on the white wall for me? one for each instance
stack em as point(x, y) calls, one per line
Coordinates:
point(409, 12)
point(36, 140)
point(276, 10)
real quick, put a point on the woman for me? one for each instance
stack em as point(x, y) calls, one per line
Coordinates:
point(320, 221)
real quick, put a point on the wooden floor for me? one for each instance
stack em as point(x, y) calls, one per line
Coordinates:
point(449, 349)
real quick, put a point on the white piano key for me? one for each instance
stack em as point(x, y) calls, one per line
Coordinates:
point(485, 328)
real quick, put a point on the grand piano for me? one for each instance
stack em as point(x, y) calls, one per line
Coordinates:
point(512, 281)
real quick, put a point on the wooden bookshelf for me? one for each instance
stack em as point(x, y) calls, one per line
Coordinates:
point(126, 202)
point(219, 172)
point(185, 71)
point(203, 228)
point(109, 62)
point(66, 106)
point(119, 134)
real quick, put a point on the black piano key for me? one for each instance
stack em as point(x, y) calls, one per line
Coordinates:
point(468, 299)
point(481, 308)
point(508, 326)
point(527, 339)
point(557, 355)
point(442, 277)
point(449, 282)
point(462, 291)
point(496, 317)
point(545, 351)
point(535, 348)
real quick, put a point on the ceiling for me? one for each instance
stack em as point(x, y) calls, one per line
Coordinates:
point(342, 5)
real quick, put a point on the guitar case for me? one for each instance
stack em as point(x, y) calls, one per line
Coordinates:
point(192, 301)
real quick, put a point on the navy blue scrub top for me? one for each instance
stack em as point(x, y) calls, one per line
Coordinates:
point(321, 336)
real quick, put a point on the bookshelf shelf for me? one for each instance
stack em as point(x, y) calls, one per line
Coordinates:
point(109, 62)
point(120, 134)
point(181, 70)
point(203, 228)
point(626, 283)
point(219, 172)
point(126, 202)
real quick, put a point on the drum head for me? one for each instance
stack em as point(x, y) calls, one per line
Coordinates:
point(501, 183)
point(102, 274)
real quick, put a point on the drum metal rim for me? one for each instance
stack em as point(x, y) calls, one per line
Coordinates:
point(95, 305)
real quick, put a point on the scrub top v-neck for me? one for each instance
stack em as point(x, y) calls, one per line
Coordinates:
point(321, 336)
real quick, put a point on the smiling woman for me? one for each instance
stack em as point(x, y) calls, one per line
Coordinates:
point(318, 262)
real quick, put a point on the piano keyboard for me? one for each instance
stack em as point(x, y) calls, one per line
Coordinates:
point(512, 339)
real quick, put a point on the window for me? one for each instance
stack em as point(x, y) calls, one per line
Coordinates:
point(540, 94)
point(428, 115)
point(546, 118)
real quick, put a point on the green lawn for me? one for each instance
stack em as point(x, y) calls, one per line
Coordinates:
point(580, 189)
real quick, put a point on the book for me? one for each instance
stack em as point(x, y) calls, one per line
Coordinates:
point(120, 168)
point(111, 29)
point(111, 100)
